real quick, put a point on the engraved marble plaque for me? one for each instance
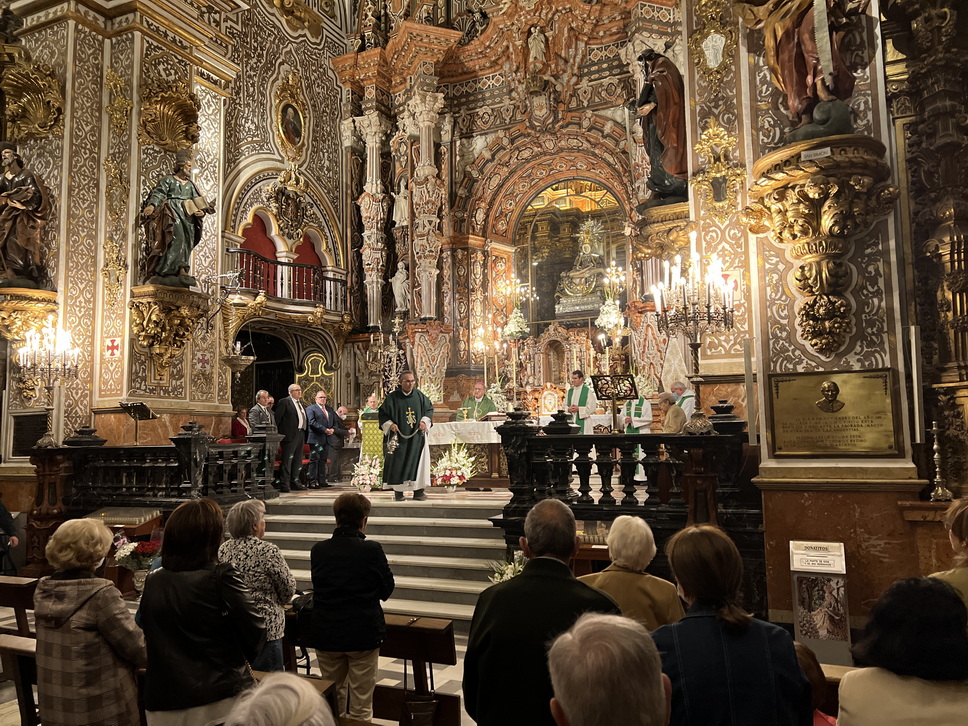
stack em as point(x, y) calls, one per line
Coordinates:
point(842, 414)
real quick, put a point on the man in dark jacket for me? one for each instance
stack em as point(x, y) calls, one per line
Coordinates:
point(292, 422)
point(506, 679)
point(351, 576)
point(326, 434)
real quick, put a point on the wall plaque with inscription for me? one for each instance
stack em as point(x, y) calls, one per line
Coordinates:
point(844, 413)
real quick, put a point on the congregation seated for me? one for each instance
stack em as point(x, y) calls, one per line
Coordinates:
point(605, 670)
point(956, 520)
point(726, 667)
point(914, 650)
point(648, 599)
point(281, 699)
point(88, 645)
point(264, 571)
point(201, 626)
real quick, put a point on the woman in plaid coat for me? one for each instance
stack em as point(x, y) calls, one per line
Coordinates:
point(88, 645)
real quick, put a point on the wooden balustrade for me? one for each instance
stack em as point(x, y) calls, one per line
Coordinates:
point(688, 479)
point(290, 280)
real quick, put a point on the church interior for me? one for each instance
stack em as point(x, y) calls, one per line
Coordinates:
point(767, 199)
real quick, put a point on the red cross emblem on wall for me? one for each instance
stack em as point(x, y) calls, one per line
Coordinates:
point(112, 348)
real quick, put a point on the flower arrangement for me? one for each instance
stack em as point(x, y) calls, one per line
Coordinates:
point(455, 467)
point(610, 318)
point(506, 570)
point(366, 473)
point(516, 326)
point(137, 555)
point(496, 393)
point(433, 390)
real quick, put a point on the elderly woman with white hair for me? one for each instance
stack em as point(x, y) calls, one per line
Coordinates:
point(281, 699)
point(264, 571)
point(643, 597)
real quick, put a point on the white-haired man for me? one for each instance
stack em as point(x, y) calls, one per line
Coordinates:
point(514, 621)
point(606, 670)
point(685, 398)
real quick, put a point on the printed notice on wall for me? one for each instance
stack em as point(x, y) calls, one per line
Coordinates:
point(818, 557)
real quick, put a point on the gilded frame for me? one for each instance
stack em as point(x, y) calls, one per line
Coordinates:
point(713, 36)
point(290, 120)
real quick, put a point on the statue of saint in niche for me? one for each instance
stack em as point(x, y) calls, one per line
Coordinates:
point(172, 217)
point(661, 108)
point(581, 288)
point(24, 209)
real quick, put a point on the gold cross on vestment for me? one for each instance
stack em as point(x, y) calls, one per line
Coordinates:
point(411, 418)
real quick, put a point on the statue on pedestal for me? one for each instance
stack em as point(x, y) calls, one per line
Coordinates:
point(400, 282)
point(24, 209)
point(661, 108)
point(172, 217)
point(812, 69)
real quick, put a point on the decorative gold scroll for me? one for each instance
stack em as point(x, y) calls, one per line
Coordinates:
point(169, 114)
point(719, 182)
point(34, 101)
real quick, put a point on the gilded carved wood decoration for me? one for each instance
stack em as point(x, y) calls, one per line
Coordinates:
point(713, 44)
point(719, 182)
point(34, 101)
point(169, 114)
point(289, 116)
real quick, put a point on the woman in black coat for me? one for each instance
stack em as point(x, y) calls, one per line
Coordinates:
point(351, 576)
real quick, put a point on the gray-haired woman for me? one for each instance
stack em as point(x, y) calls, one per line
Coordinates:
point(643, 597)
point(264, 571)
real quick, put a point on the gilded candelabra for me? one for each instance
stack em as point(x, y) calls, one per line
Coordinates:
point(50, 356)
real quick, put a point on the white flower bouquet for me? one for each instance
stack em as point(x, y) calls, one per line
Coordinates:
point(455, 467)
point(366, 473)
point(506, 570)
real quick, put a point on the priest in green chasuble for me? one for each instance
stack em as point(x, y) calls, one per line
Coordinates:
point(581, 401)
point(405, 417)
point(638, 420)
point(477, 406)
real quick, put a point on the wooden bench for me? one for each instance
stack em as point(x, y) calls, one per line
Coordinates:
point(18, 593)
point(833, 674)
point(19, 657)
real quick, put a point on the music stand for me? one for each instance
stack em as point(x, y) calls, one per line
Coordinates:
point(139, 411)
point(615, 388)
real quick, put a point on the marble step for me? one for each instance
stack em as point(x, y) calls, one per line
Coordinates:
point(468, 505)
point(423, 589)
point(405, 544)
point(378, 526)
point(447, 568)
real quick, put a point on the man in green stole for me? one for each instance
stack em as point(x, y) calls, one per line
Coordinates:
point(638, 420)
point(580, 401)
point(477, 406)
point(408, 414)
point(685, 398)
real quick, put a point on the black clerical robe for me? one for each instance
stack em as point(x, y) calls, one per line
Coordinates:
point(403, 470)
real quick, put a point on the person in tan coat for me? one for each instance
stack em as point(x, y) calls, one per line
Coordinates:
point(650, 600)
point(88, 645)
point(675, 417)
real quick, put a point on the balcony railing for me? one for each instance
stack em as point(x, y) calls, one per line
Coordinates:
point(290, 280)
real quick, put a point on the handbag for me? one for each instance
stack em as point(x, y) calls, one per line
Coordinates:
point(302, 607)
point(418, 708)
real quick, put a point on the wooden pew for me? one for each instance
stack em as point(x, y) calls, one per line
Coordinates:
point(19, 657)
point(423, 642)
point(833, 674)
point(18, 593)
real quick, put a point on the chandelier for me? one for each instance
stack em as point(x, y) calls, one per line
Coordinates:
point(49, 355)
point(695, 306)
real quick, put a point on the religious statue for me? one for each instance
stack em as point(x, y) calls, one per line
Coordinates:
point(661, 107)
point(172, 217)
point(584, 276)
point(24, 209)
point(810, 68)
point(536, 47)
point(400, 282)
point(401, 206)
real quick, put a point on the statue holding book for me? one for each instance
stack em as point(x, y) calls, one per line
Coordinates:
point(172, 217)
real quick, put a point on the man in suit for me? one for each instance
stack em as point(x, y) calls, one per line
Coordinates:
point(324, 429)
point(260, 415)
point(515, 620)
point(291, 421)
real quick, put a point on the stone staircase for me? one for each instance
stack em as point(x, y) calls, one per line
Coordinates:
point(439, 550)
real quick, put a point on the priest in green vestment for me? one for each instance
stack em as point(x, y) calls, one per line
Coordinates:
point(638, 420)
point(406, 416)
point(477, 406)
point(581, 401)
